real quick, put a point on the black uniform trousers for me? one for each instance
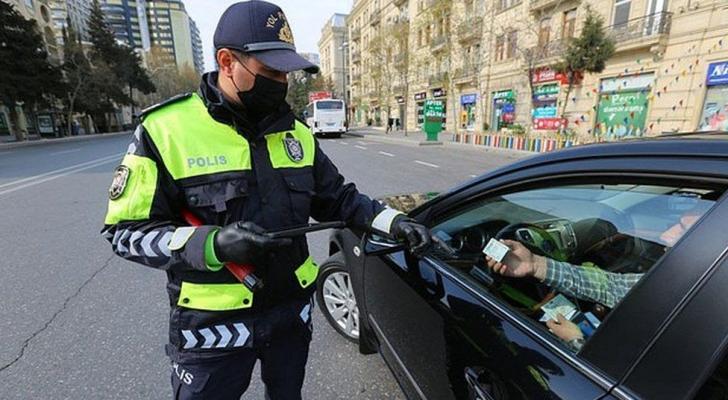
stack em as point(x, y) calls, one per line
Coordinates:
point(280, 340)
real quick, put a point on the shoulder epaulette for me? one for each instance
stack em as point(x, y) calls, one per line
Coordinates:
point(165, 103)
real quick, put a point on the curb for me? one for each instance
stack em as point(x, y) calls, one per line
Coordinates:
point(37, 142)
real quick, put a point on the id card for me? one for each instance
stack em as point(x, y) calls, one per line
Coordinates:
point(558, 305)
point(496, 250)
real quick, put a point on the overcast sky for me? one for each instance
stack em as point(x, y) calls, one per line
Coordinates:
point(306, 18)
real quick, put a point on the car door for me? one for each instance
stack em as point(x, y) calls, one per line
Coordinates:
point(450, 329)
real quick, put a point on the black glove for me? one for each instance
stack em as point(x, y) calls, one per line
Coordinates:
point(244, 243)
point(417, 236)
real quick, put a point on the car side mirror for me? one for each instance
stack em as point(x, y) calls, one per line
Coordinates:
point(376, 245)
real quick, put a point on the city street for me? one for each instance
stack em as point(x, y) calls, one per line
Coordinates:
point(78, 322)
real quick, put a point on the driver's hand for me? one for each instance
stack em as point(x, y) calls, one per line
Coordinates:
point(519, 262)
point(564, 329)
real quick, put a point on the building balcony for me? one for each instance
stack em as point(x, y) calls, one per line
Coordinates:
point(355, 77)
point(538, 6)
point(375, 18)
point(650, 31)
point(355, 34)
point(355, 58)
point(466, 74)
point(437, 79)
point(372, 94)
point(470, 29)
point(438, 43)
point(546, 54)
point(399, 3)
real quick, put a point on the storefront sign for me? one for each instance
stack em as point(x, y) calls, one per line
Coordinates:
point(622, 114)
point(468, 99)
point(544, 112)
point(45, 123)
point(549, 123)
point(439, 92)
point(504, 94)
point(626, 83)
point(420, 96)
point(717, 74)
point(546, 93)
point(542, 75)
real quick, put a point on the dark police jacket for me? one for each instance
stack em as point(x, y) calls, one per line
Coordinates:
point(195, 152)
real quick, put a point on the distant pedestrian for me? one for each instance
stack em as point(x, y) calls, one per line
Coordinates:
point(390, 122)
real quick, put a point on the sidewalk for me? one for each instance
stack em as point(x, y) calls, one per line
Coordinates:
point(9, 142)
point(418, 138)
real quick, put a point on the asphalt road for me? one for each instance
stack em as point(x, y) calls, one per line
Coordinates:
point(78, 322)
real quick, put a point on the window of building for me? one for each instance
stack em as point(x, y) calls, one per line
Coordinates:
point(569, 24)
point(544, 32)
point(505, 4)
point(512, 43)
point(621, 12)
point(29, 4)
point(585, 245)
point(500, 47)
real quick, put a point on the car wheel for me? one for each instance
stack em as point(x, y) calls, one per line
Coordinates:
point(336, 297)
point(337, 135)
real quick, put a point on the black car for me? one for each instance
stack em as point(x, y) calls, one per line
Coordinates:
point(648, 214)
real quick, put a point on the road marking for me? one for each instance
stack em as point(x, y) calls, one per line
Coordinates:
point(345, 144)
point(384, 153)
point(58, 173)
point(473, 176)
point(427, 164)
point(360, 147)
point(363, 143)
point(65, 152)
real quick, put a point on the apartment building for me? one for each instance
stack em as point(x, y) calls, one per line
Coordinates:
point(333, 46)
point(75, 11)
point(491, 63)
point(40, 11)
point(172, 29)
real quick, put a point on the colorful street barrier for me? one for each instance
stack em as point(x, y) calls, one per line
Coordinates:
point(538, 145)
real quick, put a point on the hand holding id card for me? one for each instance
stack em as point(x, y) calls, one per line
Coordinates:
point(496, 250)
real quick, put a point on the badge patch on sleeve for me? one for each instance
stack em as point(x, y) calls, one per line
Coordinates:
point(118, 185)
point(294, 149)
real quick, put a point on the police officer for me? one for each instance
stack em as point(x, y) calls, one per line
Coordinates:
point(234, 156)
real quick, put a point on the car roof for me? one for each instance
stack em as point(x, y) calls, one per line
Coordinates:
point(699, 145)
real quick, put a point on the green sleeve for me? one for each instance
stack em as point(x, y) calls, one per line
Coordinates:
point(213, 264)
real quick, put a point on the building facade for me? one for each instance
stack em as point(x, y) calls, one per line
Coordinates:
point(491, 64)
point(41, 12)
point(172, 29)
point(77, 11)
point(128, 20)
point(333, 47)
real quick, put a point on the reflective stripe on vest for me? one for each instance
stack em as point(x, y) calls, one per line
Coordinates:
point(191, 143)
point(234, 296)
point(307, 272)
point(135, 201)
point(215, 296)
point(279, 155)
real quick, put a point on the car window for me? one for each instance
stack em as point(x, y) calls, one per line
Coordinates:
point(574, 251)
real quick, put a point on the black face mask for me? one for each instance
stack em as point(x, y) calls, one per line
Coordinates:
point(264, 98)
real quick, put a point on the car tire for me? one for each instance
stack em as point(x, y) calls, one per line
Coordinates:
point(336, 298)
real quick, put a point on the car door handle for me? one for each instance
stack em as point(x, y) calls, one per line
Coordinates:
point(477, 390)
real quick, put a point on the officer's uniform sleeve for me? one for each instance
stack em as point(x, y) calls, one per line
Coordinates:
point(142, 222)
point(338, 201)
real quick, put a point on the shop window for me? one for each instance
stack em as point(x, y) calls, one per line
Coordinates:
point(569, 24)
point(621, 12)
